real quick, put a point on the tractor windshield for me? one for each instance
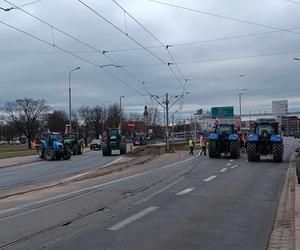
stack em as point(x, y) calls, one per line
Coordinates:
point(57, 137)
point(70, 136)
point(265, 129)
point(224, 129)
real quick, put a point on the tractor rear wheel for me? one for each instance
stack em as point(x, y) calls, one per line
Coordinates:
point(123, 148)
point(74, 149)
point(251, 152)
point(212, 149)
point(41, 151)
point(234, 149)
point(277, 152)
point(49, 154)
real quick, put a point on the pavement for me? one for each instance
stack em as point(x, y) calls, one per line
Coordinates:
point(297, 210)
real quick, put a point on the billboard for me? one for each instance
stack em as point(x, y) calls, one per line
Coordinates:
point(222, 112)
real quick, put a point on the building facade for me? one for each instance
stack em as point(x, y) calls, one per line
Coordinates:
point(280, 107)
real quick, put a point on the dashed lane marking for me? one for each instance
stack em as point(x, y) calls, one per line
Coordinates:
point(185, 191)
point(231, 160)
point(223, 170)
point(228, 164)
point(210, 178)
point(235, 166)
point(133, 218)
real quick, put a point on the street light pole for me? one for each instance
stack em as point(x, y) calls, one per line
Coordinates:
point(240, 102)
point(167, 121)
point(121, 114)
point(70, 102)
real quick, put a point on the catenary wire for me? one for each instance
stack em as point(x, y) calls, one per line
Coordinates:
point(225, 17)
point(72, 54)
point(76, 39)
point(124, 33)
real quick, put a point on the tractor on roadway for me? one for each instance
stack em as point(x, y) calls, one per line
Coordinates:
point(265, 140)
point(224, 140)
point(112, 140)
point(52, 147)
point(75, 142)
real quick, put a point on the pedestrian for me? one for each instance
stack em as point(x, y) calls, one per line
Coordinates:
point(191, 146)
point(242, 144)
point(203, 145)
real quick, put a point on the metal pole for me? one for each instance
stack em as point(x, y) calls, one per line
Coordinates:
point(167, 122)
point(121, 115)
point(70, 101)
point(184, 128)
point(195, 130)
point(240, 103)
point(70, 108)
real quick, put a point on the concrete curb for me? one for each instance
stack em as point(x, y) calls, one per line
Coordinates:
point(283, 232)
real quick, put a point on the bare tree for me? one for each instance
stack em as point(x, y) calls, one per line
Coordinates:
point(86, 115)
point(27, 114)
point(57, 120)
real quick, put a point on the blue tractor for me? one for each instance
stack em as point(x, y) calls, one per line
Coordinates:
point(52, 147)
point(265, 140)
point(224, 140)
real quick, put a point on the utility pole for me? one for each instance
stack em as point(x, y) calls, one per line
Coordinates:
point(121, 114)
point(167, 121)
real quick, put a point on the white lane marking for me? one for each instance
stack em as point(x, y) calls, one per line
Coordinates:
point(133, 218)
point(210, 178)
point(231, 160)
point(185, 191)
point(86, 173)
point(223, 170)
point(228, 164)
point(87, 189)
point(234, 166)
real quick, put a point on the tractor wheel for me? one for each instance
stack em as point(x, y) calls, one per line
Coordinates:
point(67, 153)
point(41, 151)
point(277, 152)
point(49, 154)
point(74, 150)
point(234, 149)
point(251, 152)
point(105, 151)
point(123, 148)
point(212, 149)
point(80, 149)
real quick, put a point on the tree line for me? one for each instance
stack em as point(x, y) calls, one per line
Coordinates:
point(29, 118)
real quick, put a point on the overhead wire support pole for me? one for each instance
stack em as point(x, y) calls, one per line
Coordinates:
point(167, 122)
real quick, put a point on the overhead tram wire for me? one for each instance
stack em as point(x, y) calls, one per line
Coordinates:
point(124, 33)
point(225, 17)
point(218, 59)
point(76, 39)
point(72, 54)
point(159, 41)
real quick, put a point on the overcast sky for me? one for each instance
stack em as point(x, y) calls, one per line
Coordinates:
point(218, 55)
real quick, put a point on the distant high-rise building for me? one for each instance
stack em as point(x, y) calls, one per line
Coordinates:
point(280, 107)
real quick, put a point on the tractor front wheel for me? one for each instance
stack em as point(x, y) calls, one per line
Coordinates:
point(212, 149)
point(234, 149)
point(251, 152)
point(41, 151)
point(277, 152)
point(67, 153)
point(49, 154)
point(123, 148)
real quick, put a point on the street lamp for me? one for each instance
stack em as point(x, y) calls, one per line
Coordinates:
point(240, 102)
point(70, 105)
point(121, 114)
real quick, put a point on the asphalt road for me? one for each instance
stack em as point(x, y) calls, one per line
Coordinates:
point(196, 203)
point(41, 172)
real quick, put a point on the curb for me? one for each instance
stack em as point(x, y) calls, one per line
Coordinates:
point(283, 231)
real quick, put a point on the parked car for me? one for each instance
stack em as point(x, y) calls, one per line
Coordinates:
point(95, 144)
point(139, 139)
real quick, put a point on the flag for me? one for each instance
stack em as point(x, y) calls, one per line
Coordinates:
point(66, 131)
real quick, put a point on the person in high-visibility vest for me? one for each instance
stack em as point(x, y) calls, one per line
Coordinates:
point(191, 146)
point(203, 145)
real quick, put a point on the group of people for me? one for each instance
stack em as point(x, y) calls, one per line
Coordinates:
point(203, 145)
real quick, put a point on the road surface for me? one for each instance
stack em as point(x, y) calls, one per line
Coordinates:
point(168, 203)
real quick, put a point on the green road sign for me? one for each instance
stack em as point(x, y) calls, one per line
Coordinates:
point(222, 112)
